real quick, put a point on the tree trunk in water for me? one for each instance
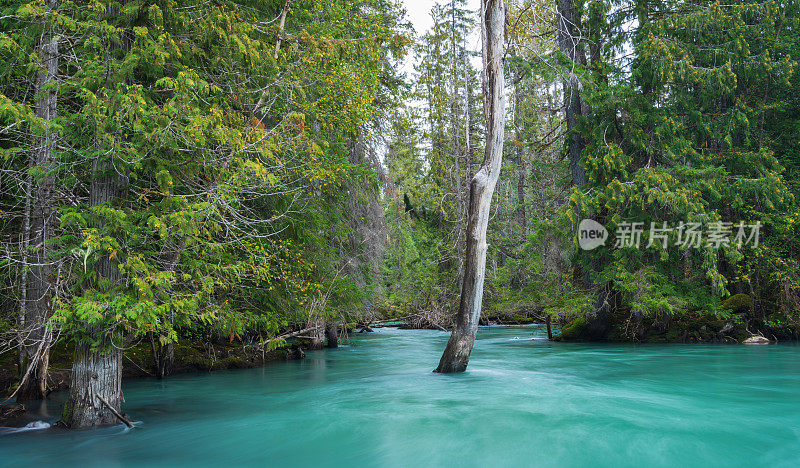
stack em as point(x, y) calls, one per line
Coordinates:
point(42, 219)
point(332, 334)
point(456, 355)
point(97, 371)
point(94, 374)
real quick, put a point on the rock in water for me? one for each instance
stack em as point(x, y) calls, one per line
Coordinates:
point(32, 426)
point(37, 425)
point(756, 339)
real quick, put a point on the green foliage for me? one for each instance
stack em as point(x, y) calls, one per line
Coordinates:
point(682, 137)
point(230, 162)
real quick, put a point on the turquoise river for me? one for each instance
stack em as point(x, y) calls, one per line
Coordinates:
point(524, 401)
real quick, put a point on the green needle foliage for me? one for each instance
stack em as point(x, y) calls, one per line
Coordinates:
point(230, 154)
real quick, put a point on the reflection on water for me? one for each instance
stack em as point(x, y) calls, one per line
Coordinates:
point(524, 401)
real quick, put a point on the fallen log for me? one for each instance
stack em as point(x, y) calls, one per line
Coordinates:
point(292, 334)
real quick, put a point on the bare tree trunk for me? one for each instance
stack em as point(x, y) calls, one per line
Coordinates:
point(39, 277)
point(459, 347)
point(281, 26)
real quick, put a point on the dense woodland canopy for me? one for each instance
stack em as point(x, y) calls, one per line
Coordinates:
point(194, 174)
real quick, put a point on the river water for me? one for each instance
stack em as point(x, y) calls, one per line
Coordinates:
point(524, 401)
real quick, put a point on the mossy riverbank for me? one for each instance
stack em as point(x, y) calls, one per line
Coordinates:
point(138, 361)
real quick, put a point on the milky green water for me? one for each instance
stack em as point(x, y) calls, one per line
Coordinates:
point(523, 402)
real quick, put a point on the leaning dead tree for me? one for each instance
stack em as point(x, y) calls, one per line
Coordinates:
point(459, 347)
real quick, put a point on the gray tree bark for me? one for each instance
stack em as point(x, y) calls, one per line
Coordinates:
point(38, 278)
point(456, 355)
point(97, 371)
point(569, 43)
point(93, 374)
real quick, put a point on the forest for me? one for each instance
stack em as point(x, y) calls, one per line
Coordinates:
point(191, 186)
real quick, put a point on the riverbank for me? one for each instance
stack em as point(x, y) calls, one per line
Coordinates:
point(138, 362)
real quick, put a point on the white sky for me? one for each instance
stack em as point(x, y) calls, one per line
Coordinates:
point(418, 13)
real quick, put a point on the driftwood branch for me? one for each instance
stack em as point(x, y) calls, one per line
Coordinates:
point(296, 334)
point(293, 334)
point(114, 412)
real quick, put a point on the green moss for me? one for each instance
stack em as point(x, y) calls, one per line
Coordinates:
point(573, 331)
point(232, 362)
point(192, 357)
point(674, 333)
point(737, 303)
